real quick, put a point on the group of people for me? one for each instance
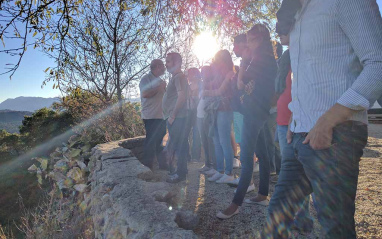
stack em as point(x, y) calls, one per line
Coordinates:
point(321, 87)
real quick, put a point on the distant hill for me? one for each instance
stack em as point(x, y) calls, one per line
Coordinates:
point(11, 120)
point(29, 104)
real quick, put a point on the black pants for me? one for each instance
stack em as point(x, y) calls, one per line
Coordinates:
point(155, 131)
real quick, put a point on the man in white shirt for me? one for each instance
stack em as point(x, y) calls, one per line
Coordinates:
point(152, 89)
point(336, 59)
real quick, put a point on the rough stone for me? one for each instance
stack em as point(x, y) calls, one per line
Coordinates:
point(122, 204)
point(186, 220)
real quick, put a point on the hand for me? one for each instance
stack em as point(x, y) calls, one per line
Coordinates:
point(171, 120)
point(320, 137)
point(163, 84)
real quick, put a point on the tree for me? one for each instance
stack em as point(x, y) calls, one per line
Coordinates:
point(49, 21)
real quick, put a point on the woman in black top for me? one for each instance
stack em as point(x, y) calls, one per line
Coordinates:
point(256, 80)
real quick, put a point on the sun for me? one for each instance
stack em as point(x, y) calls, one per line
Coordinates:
point(205, 46)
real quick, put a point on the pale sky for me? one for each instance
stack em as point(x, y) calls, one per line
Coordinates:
point(28, 78)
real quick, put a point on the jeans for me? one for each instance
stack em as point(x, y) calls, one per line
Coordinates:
point(274, 150)
point(207, 142)
point(155, 131)
point(251, 141)
point(222, 142)
point(302, 218)
point(196, 147)
point(179, 132)
point(332, 174)
point(193, 128)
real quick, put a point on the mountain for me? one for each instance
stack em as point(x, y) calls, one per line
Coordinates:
point(11, 120)
point(30, 104)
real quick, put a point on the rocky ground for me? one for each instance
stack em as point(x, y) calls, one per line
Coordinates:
point(206, 199)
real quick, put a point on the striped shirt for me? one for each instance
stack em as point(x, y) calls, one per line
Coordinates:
point(336, 57)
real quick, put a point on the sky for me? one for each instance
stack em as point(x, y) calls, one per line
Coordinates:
point(28, 79)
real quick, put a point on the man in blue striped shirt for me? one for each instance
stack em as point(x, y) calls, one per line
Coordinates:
point(336, 58)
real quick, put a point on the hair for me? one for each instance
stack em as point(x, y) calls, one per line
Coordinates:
point(260, 30)
point(176, 57)
point(242, 38)
point(195, 72)
point(155, 63)
point(207, 70)
point(224, 57)
point(277, 49)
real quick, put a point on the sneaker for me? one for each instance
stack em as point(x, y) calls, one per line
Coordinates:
point(236, 163)
point(194, 161)
point(175, 179)
point(215, 177)
point(203, 169)
point(256, 167)
point(225, 179)
point(250, 188)
point(234, 182)
point(262, 203)
point(210, 172)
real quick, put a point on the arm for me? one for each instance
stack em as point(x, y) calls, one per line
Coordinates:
point(151, 92)
point(181, 88)
point(362, 24)
point(223, 88)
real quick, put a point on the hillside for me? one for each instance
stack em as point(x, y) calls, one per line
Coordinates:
point(27, 103)
point(11, 120)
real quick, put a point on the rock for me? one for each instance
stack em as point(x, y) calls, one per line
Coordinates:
point(80, 187)
point(176, 235)
point(61, 165)
point(32, 168)
point(76, 174)
point(186, 220)
point(161, 195)
point(116, 153)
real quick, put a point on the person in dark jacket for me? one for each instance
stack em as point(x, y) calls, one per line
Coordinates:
point(256, 79)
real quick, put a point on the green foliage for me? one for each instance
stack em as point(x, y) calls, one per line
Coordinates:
point(99, 120)
point(43, 125)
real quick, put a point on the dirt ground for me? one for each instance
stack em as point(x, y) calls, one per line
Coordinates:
point(207, 198)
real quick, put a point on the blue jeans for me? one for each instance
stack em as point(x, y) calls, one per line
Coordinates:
point(332, 174)
point(252, 140)
point(207, 142)
point(222, 142)
point(179, 132)
point(274, 149)
point(302, 218)
point(196, 145)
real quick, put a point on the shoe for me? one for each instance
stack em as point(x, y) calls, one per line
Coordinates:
point(215, 177)
point(175, 179)
point(225, 179)
point(274, 179)
point(250, 188)
point(194, 161)
point(210, 172)
point(262, 203)
point(171, 173)
point(234, 182)
point(273, 173)
point(221, 215)
point(236, 162)
point(204, 169)
point(256, 168)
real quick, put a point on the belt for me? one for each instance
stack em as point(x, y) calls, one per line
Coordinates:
point(302, 134)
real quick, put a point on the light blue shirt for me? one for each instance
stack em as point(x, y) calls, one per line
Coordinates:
point(336, 57)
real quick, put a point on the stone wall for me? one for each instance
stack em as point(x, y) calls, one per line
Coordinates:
point(124, 202)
